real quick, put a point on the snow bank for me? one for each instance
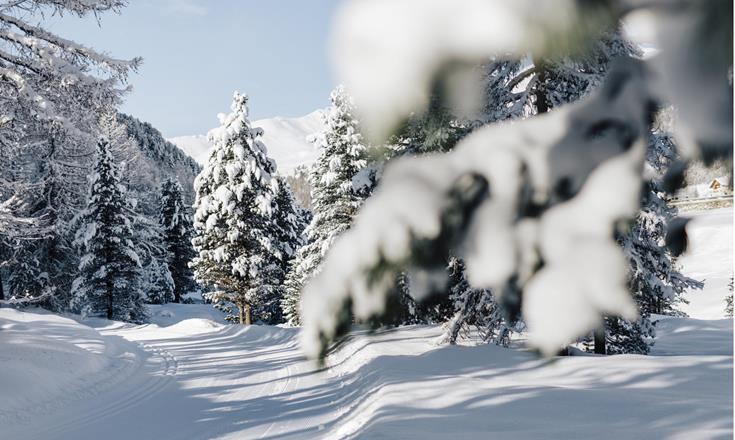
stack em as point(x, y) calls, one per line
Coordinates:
point(49, 360)
point(692, 337)
point(166, 315)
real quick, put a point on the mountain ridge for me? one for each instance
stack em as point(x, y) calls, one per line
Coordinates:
point(284, 137)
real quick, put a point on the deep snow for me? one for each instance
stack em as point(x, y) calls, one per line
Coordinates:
point(189, 376)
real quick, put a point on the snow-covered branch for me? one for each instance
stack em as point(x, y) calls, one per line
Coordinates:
point(395, 49)
point(51, 92)
point(531, 206)
point(538, 201)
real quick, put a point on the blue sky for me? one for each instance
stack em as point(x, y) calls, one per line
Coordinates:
point(197, 52)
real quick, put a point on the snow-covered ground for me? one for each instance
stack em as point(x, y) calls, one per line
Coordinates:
point(285, 138)
point(189, 376)
point(710, 259)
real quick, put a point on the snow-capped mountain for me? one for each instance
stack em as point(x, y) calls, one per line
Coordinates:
point(285, 139)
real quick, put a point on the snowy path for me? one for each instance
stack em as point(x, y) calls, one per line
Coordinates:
point(249, 383)
point(205, 383)
point(197, 379)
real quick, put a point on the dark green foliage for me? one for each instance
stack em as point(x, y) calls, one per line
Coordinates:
point(176, 223)
point(109, 270)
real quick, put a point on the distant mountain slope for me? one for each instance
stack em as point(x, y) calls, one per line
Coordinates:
point(285, 139)
point(162, 158)
point(155, 146)
point(196, 146)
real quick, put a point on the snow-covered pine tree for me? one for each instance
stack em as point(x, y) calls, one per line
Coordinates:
point(436, 130)
point(139, 178)
point(654, 279)
point(517, 89)
point(175, 221)
point(110, 268)
point(149, 243)
point(290, 220)
point(159, 284)
point(235, 233)
point(335, 200)
point(654, 271)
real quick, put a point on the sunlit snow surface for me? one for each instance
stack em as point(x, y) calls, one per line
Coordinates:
point(189, 376)
point(709, 259)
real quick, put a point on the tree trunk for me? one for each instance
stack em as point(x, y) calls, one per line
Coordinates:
point(109, 298)
point(542, 104)
point(599, 335)
point(244, 314)
point(2, 291)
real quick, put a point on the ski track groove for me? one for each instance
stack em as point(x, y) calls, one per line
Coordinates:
point(281, 391)
point(155, 382)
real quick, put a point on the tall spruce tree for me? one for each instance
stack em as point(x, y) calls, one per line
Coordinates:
point(335, 198)
point(235, 232)
point(175, 221)
point(28, 282)
point(290, 220)
point(151, 247)
point(110, 268)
